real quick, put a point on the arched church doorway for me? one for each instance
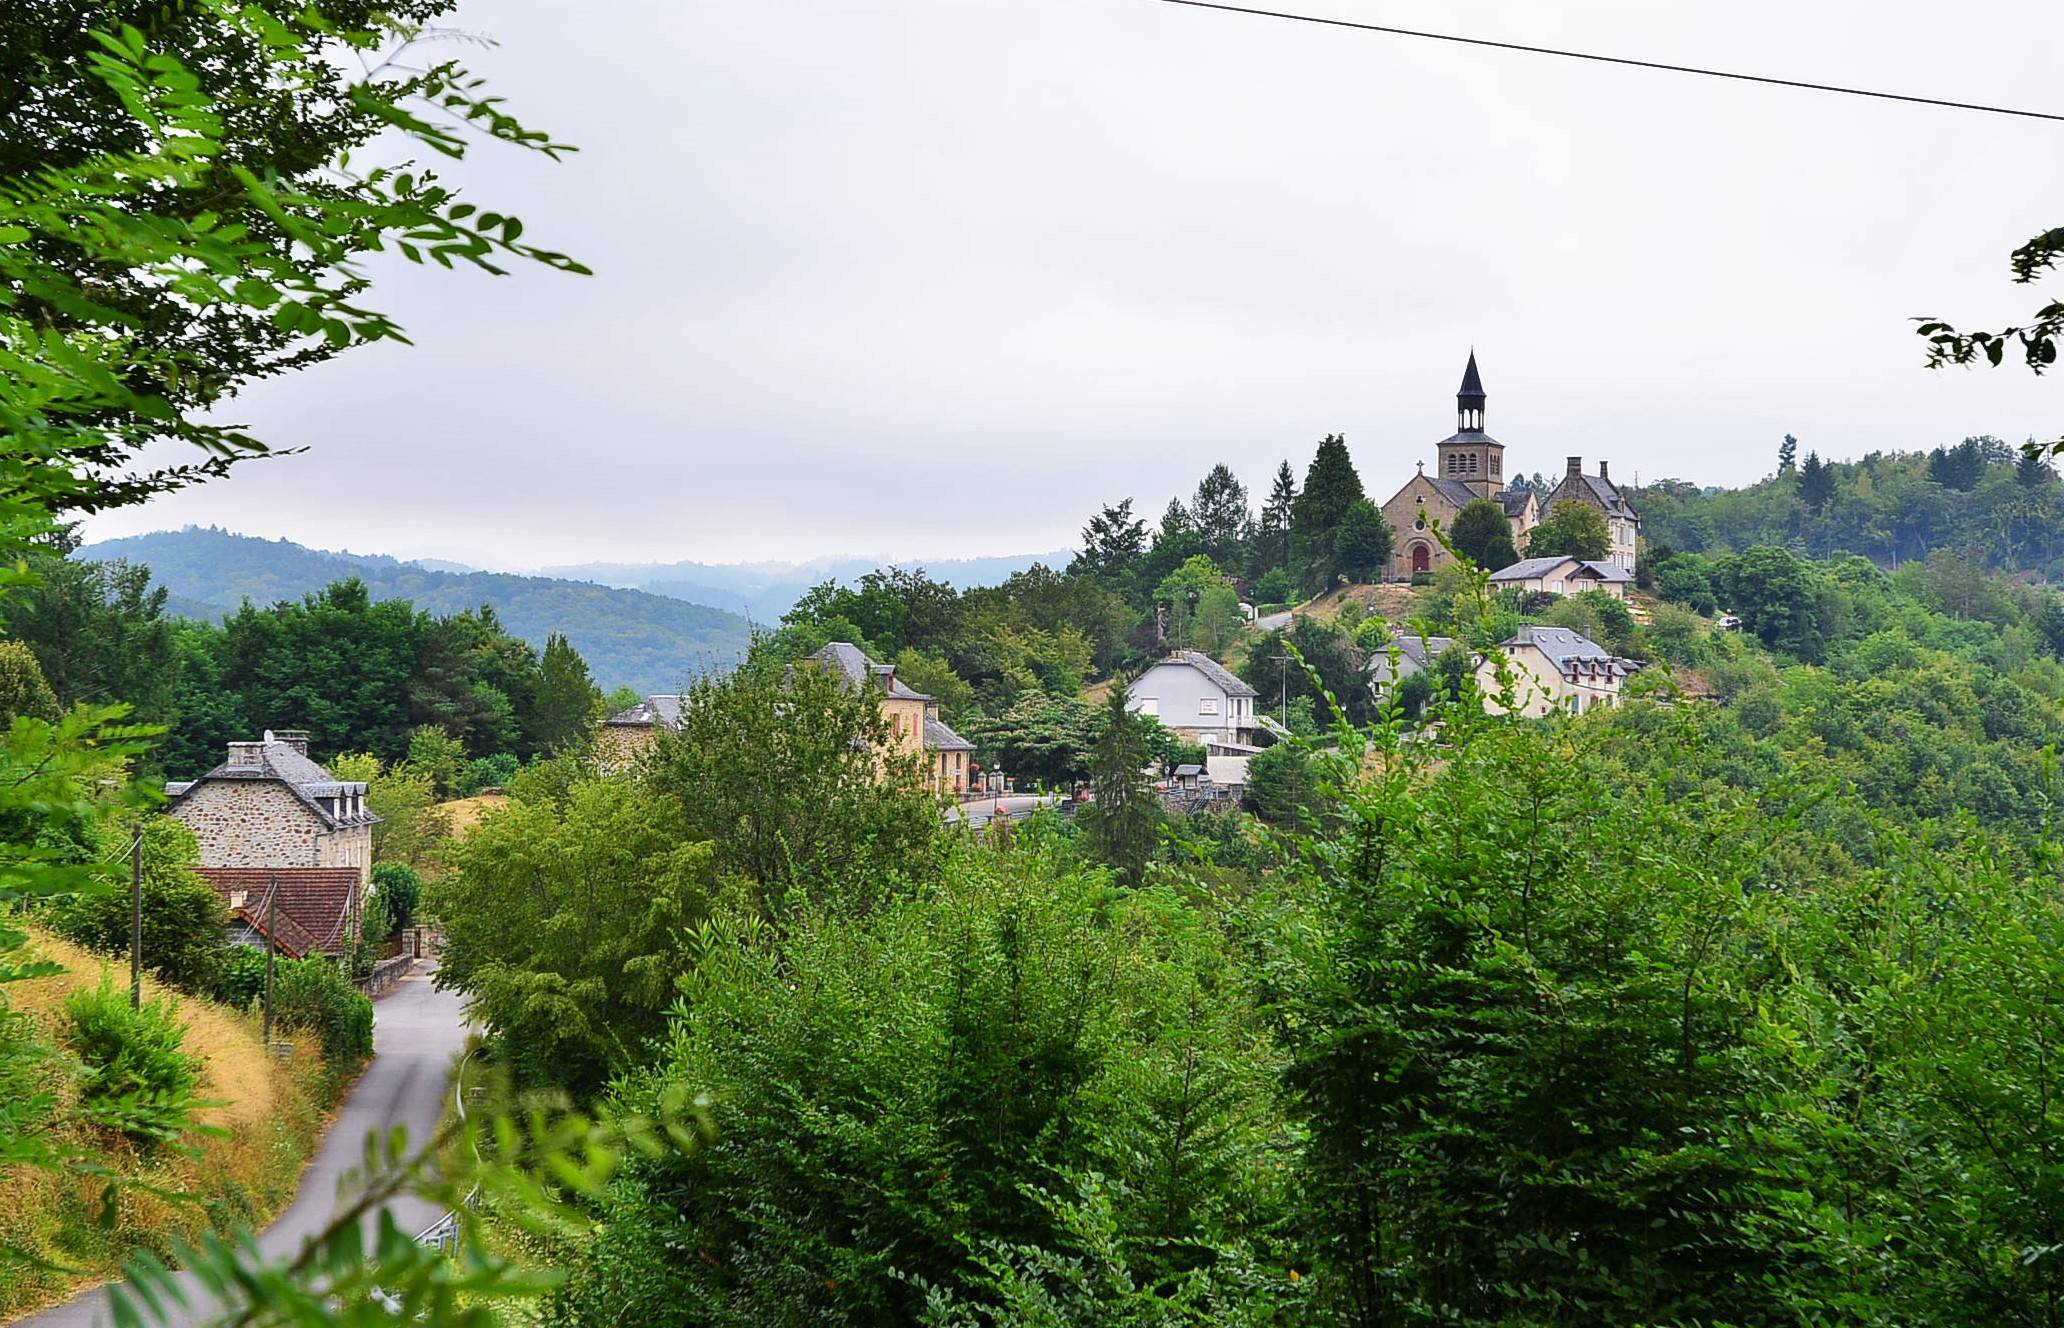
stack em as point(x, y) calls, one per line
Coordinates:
point(1422, 558)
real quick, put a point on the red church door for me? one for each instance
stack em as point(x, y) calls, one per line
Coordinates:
point(1422, 558)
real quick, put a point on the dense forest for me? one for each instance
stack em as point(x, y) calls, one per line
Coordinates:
point(1984, 500)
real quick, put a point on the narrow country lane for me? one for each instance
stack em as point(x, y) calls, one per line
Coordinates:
point(421, 1031)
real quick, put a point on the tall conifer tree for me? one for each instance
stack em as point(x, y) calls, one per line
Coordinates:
point(1331, 489)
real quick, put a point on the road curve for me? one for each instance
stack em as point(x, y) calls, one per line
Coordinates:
point(421, 1031)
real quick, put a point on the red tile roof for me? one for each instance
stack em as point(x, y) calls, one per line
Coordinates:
point(315, 908)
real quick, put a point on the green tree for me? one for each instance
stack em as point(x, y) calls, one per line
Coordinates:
point(1042, 740)
point(1816, 484)
point(438, 756)
point(1362, 544)
point(1182, 594)
point(1282, 787)
point(1483, 534)
point(1779, 598)
point(1272, 531)
point(566, 700)
point(1019, 1025)
point(1787, 455)
point(1331, 489)
point(1113, 543)
point(796, 778)
point(23, 690)
point(1123, 819)
point(564, 926)
point(1221, 517)
point(100, 632)
point(1570, 530)
point(402, 888)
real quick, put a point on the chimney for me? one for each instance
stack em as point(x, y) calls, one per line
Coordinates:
point(1576, 467)
point(1605, 470)
point(295, 738)
point(246, 755)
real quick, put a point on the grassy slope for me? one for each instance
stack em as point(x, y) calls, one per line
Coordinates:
point(269, 1112)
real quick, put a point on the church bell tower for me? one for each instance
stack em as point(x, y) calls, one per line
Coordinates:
point(1472, 457)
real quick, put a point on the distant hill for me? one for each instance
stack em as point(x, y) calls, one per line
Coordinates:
point(650, 642)
point(765, 591)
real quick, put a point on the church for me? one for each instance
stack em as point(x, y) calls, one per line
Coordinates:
point(1470, 464)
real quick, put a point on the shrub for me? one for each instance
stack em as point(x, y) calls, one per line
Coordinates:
point(488, 772)
point(183, 917)
point(312, 994)
point(137, 1080)
point(241, 978)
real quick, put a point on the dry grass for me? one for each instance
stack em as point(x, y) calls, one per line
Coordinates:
point(466, 813)
point(268, 1116)
point(1390, 600)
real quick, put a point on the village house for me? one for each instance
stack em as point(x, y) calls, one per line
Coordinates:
point(1414, 654)
point(913, 718)
point(281, 840)
point(1622, 522)
point(270, 806)
point(626, 736)
point(1563, 576)
point(1193, 694)
point(1554, 668)
point(1468, 465)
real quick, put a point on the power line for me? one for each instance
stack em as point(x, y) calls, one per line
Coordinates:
point(1618, 60)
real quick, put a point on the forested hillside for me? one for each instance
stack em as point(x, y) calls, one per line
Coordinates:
point(764, 591)
point(648, 642)
point(1982, 499)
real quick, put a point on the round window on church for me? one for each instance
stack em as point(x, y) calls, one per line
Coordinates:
point(1420, 524)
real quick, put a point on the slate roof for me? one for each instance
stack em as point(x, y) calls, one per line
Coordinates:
point(1514, 501)
point(1421, 650)
point(1188, 771)
point(1212, 669)
point(313, 910)
point(1527, 569)
point(852, 662)
point(1571, 652)
point(279, 762)
point(1455, 491)
point(651, 711)
point(1604, 491)
point(939, 738)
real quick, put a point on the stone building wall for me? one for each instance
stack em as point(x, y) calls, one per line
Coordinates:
point(252, 823)
point(618, 747)
point(349, 847)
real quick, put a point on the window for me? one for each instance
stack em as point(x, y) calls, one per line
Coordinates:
point(1148, 705)
point(1555, 586)
point(1208, 706)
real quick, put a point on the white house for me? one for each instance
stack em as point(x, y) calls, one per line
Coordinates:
point(1554, 668)
point(1563, 576)
point(1194, 695)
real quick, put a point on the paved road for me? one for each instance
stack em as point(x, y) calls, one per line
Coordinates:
point(420, 1034)
point(1017, 806)
point(1273, 621)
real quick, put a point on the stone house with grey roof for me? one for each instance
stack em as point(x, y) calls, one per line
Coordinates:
point(1563, 576)
point(1405, 654)
point(1622, 522)
point(626, 736)
point(1197, 697)
point(1468, 465)
point(268, 805)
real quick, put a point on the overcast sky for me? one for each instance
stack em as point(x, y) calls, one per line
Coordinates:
point(937, 277)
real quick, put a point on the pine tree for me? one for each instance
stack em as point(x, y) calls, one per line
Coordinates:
point(1124, 818)
point(1787, 455)
point(1272, 545)
point(1331, 488)
point(1816, 484)
point(1221, 516)
point(2032, 467)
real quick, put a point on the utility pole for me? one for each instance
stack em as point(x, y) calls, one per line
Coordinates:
point(271, 918)
point(136, 914)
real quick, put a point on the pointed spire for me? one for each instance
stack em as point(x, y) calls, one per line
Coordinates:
point(1469, 402)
